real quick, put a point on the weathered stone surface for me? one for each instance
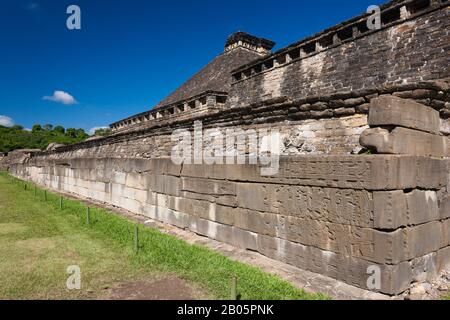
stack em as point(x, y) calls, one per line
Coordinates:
point(316, 209)
point(423, 239)
point(444, 208)
point(389, 209)
point(360, 172)
point(335, 215)
point(394, 279)
point(405, 141)
point(443, 258)
point(393, 111)
point(424, 268)
point(422, 207)
point(445, 233)
point(344, 206)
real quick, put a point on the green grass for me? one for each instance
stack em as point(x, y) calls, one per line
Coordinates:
point(38, 242)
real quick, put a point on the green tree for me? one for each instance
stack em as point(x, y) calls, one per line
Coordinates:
point(36, 128)
point(17, 138)
point(59, 130)
point(81, 134)
point(48, 127)
point(71, 132)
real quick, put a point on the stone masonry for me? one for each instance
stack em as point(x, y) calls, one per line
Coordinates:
point(364, 175)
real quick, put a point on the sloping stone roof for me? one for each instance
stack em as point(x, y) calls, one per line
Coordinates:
point(215, 76)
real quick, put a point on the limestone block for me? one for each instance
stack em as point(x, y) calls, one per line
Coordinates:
point(204, 209)
point(170, 185)
point(258, 222)
point(395, 209)
point(443, 259)
point(344, 206)
point(444, 207)
point(136, 181)
point(424, 268)
point(131, 205)
point(445, 241)
point(168, 216)
point(422, 240)
point(348, 172)
point(394, 111)
point(222, 214)
point(389, 209)
point(211, 229)
point(389, 172)
point(370, 244)
point(215, 191)
point(244, 239)
point(404, 141)
point(118, 177)
point(99, 186)
point(209, 186)
point(422, 207)
point(394, 278)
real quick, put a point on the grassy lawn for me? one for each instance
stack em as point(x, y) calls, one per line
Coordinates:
point(38, 241)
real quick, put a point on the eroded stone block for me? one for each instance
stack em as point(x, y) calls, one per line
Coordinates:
point(394, 111)
point(422, 207)
point(423, 239)
point(394, 278)
point(424, 268)
point(444, 208)
point(404, 141)
point(389, 209)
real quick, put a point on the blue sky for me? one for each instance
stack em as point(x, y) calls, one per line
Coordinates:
point(130, 54)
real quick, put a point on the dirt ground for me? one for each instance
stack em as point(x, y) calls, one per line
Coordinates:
point(154, 289)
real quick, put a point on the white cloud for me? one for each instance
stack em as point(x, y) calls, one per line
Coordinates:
point(61, 97)
point(6, 121)
point(92, 130)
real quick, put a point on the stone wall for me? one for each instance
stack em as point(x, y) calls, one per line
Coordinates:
point(327, 210)
point(408, 50)
point(16, 156)
point(334, 215)
point(312, 125)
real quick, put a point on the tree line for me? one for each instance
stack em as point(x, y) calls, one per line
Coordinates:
point(40, 136)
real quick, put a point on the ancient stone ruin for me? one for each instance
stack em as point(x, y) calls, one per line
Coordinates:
point(364, 176)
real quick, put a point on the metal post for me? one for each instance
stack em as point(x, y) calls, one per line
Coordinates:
point(60, 203)
point(88, 216)
point(136, 238)
point(45, 195)
point(233, 288)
